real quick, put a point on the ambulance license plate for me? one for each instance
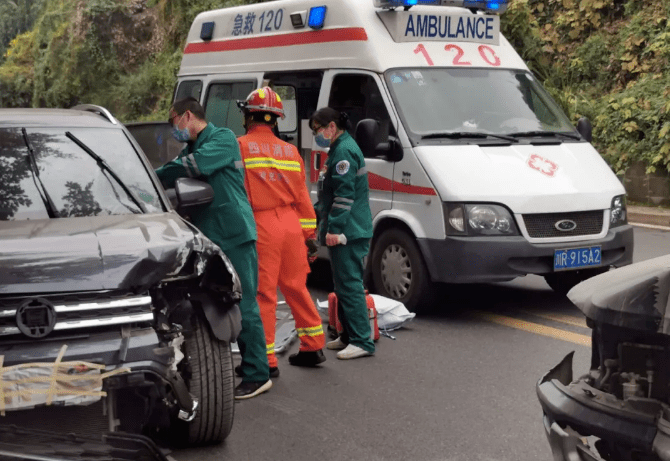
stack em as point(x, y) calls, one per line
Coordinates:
point(574, 258)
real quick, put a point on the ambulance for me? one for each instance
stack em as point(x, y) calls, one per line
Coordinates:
point(475, 173)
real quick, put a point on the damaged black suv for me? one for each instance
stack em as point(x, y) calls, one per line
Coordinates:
point(116, 314)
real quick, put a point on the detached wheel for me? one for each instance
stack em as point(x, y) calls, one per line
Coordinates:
point(562, 282)
point(212, 382)
point(398, 270)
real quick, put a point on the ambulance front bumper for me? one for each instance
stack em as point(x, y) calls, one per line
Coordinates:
point(497, 259)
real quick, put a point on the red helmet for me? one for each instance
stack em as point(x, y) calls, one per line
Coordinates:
point(263, 100)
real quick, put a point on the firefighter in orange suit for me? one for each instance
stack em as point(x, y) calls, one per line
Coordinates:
point(286, 224)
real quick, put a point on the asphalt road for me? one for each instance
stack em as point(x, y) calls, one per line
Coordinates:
point(458, 384)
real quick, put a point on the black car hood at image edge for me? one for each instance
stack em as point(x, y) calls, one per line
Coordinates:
point(98, 253)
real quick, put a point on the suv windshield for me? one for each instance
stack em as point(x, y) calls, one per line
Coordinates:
point(489, 101)
point(72, 178)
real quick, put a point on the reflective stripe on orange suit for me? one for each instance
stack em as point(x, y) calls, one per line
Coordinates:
point(275, 182)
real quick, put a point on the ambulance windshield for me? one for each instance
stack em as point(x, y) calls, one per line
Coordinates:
point(489, 101)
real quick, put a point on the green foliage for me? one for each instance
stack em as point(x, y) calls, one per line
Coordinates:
point(16, 75)
point(146, 94)
point(602, 59)
point(606, 60)
point(634, 125)
point(520, 27)
point(16, 17)
point(122, 54)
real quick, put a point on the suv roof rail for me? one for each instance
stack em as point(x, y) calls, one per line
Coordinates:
point(98, 110)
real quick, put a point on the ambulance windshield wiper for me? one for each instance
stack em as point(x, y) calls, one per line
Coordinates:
point(467, 134)
point(105, 167)
point(545, 134)
point(52, 211)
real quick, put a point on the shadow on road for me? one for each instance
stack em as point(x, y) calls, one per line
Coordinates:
point(454, 301)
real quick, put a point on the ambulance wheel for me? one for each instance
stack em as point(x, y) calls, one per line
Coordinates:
point(212, 382)
point(398, 270)
point(562, 282)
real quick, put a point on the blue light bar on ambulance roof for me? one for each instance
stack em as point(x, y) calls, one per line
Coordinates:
point(397, 3)
point(490, 6)
point(317, 17)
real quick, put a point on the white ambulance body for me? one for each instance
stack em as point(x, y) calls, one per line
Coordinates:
point(475, 173)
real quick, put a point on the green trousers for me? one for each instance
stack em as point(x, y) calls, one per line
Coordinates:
point(252, 337)
point(346, 262)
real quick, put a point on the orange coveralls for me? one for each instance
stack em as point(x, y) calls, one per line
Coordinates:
point(285, 218)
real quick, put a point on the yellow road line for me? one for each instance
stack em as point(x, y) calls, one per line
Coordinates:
point(563, 318)
point(568, 336)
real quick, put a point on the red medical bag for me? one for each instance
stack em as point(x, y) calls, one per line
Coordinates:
point(334, 323)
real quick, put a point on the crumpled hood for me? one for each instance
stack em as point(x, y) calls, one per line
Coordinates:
point(98, 253)
point(634, 296)
point(527, 178)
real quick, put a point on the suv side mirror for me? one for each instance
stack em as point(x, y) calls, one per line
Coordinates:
point(366, 137)
point(189, 193)
point(585, 129)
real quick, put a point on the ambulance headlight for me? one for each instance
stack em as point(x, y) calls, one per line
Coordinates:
point(455, 219)
point(479, 219)
point(618, 215)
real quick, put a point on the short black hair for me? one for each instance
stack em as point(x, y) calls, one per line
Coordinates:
point(259, 117)
point(189, 104)
point(325, 115)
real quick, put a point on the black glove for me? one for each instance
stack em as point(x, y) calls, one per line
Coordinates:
point(312, 249)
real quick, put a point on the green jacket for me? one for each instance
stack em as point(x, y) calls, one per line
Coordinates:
point(344, 202)
point(215, 157)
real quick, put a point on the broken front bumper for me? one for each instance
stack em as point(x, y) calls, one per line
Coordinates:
point(588, 412)
point(144, 360)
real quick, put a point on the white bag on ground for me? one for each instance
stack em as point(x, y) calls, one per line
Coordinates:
point(391, 314)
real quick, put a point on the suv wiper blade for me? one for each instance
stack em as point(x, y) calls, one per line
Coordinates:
point(105, 166)
point(544, 134)
point(467, 134)
point(52, 211)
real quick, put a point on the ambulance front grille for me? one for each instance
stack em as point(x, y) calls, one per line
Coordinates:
point(544, 225)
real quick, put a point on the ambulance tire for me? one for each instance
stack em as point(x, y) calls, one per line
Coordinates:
point(562, 282)
point(394, 251)
point(212, 382)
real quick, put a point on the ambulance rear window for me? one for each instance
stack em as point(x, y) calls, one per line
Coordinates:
point(192, 88)
point(221, 104)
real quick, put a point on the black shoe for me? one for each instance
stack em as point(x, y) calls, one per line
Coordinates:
point(247, 390)
point(307, 358)
point(274, 372)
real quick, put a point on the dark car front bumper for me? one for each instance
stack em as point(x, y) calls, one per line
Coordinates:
point(134, 361)
point(492, 259)
point(589, 412)
point(144, 359)
point(137, 349)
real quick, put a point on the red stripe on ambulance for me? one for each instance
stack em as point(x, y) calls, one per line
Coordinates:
point(346, 34)
point(384, 184)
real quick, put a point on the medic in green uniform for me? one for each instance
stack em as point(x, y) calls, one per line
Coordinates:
point(213, 154)
point(344, 210)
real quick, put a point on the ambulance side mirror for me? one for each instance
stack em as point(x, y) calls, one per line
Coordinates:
point(366, 135)
point(391, 150)
point(585, 129)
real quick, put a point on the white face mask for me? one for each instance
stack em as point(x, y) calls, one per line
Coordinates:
point(181, 135)
point(324, 139)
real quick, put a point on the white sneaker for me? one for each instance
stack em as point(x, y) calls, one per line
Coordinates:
point(335, 345)
point(352, 352)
